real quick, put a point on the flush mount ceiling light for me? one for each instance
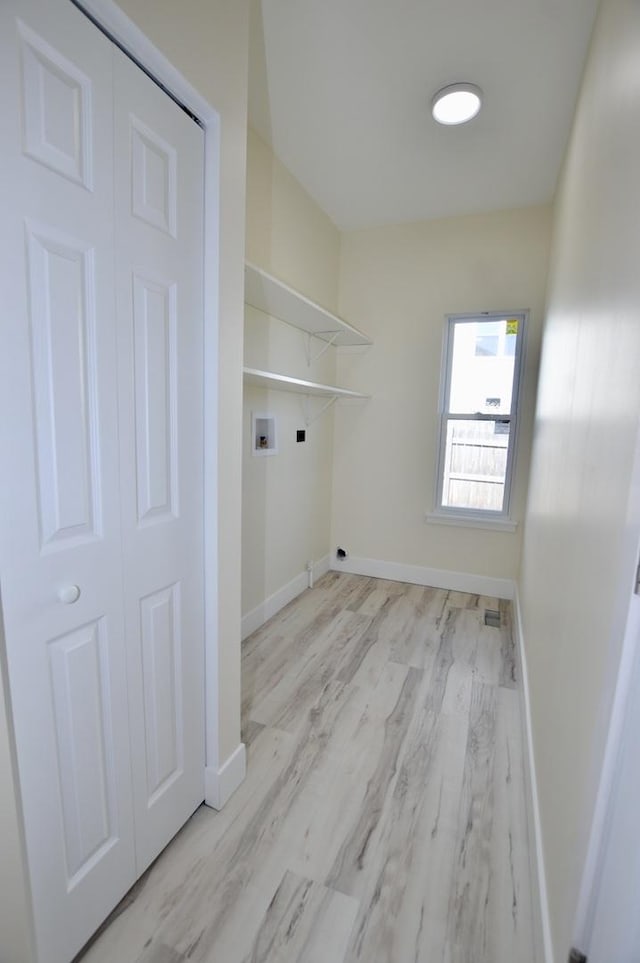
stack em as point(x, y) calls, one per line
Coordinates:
point(456, 104)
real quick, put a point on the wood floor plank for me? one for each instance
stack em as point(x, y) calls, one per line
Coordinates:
point(402, 892)
point(511, 898)
point(305, 921)
point(173, 881)
point(291, 631)
point(354, 855)
point(469, 923)
point(287, 699)
point(477, 645)
point(250, 729)
point(251, 850)
point(364, 663)
point(383, 817)
point(509, 667)
point(161, 953)
point(374, 595)
point(418, 642)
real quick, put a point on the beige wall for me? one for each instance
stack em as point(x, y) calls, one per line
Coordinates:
point(207, 40)
point(286, 497)
point(287, 233)
point(582, 531)
point(397, 284)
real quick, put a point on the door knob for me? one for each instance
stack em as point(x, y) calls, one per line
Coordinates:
point(69, 594)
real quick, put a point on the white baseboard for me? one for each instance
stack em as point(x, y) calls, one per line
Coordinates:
point(220, 784)
point(501, 588)
point(267, 609)
point(322, 567)
point(533, 804)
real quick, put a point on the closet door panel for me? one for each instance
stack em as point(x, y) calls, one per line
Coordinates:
point(159, 215)
point(162, 680)
point(155, 385)
point(61, 291)
point(60, 537)
point(84, 726)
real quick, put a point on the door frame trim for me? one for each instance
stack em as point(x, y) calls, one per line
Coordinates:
point(116, 23)
point(625, 673)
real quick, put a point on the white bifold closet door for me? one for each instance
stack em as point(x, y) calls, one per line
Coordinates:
point(101, 430)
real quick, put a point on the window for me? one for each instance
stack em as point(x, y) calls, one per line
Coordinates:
point(479, 405)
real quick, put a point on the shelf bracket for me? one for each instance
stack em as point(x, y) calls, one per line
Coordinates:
point(327, 344)
point(309, 418)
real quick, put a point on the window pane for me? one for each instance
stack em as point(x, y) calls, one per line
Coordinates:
point(482, 367)
point(487, 338)
point(475, 465)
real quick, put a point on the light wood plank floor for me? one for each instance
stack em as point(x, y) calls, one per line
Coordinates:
point(383, 815)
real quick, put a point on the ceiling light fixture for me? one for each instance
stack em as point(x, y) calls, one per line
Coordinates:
point(456, 104)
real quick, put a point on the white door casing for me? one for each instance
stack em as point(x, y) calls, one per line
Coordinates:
point(614, 925)
point(118, 670)
point(607, 926)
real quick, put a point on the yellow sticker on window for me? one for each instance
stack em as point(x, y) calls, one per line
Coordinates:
point(512, 327)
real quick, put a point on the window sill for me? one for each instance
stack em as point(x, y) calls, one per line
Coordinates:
point(471, 521)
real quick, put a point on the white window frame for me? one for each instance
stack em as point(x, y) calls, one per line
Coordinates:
point(478, 517)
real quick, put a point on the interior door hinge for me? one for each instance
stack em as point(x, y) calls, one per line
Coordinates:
point(637, 585)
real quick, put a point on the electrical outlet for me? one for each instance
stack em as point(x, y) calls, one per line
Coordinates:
point(301, 435)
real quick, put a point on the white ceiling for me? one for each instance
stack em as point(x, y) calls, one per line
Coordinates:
point(341, 90)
